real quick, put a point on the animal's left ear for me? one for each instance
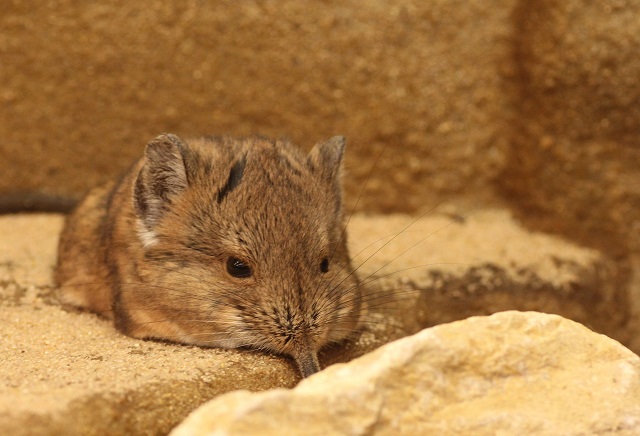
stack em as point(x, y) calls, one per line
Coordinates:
point(325, 158)
point(162, 178)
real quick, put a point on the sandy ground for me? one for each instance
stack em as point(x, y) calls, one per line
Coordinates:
point(71, 372)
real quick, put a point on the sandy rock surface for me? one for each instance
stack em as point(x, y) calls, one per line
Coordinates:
point(449, 266)
point(69, 372)
point(519, 373)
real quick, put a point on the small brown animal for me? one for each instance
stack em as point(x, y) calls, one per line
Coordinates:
point(219, 242)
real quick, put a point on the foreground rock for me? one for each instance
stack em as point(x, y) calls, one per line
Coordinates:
point(517, 373)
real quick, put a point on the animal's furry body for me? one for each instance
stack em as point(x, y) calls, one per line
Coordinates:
point(218, 242)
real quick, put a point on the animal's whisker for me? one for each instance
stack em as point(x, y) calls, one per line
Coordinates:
point(353, 271)
point(372, 278)
point(406, 250)
point(364, 186)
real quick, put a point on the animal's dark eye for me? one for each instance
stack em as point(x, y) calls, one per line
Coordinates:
point(324, 265)
point(238, 268)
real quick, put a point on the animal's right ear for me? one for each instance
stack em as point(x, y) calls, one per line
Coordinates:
point(162, 177)
point(326, 158)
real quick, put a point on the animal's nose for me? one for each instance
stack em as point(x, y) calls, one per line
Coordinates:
point(307, 360)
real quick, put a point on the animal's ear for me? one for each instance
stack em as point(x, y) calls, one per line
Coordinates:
point(162, 177)
point(326, 158)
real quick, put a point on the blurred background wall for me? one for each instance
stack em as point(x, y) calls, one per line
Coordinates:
point(85, 85)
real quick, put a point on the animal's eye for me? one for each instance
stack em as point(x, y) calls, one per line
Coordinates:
point(324, 265)
point(238, 268)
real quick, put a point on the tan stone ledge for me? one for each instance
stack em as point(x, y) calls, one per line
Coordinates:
point(72, 373)
point(446, 267)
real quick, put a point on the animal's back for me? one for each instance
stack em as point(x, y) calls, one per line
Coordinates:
point(81, 274)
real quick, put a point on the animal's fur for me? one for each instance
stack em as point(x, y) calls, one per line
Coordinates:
point(150, 251)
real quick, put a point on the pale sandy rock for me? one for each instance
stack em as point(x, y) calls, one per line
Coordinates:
point(509, 373)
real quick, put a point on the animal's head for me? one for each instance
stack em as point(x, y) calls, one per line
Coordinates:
point(246, 237)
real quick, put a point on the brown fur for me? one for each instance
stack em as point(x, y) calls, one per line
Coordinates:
point(151, 251)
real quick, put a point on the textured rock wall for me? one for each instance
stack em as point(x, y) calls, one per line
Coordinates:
point(537, 100)
point(533, 103)
point(573, 166)
point(576, 150)
point(86, 85)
